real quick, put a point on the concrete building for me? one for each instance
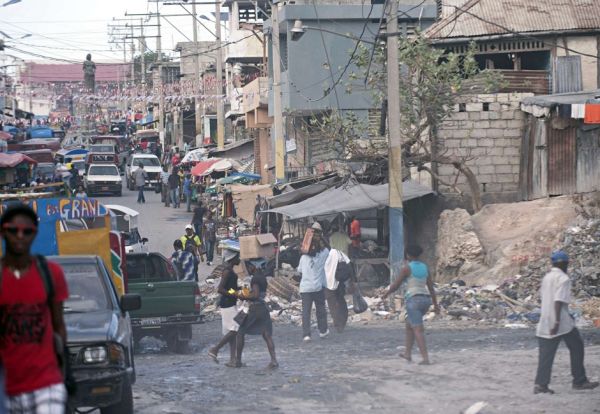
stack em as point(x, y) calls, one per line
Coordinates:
point(540, 49)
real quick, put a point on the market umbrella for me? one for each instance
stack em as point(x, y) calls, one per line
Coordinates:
point(5, 135)
point(203, 166)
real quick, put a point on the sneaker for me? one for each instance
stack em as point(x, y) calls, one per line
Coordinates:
point(585, 385)
point(306, 339)
point(324, 334)
point(208, 263)
point(543, 389)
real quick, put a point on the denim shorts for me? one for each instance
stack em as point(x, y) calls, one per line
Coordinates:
point(416, 307)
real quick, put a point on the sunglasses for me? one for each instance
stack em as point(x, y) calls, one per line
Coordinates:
point(14, 229)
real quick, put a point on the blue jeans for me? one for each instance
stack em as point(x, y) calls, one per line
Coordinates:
point(416, 307)
point(188, 202)
point(141, 198)
point(174, 197)
point(210, 250)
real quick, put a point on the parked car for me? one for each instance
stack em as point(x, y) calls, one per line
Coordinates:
point(99, 336)
point(169, 307)
point(103, 178)
point(151, 165)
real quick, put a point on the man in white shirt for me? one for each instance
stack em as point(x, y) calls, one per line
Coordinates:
point(556, 325)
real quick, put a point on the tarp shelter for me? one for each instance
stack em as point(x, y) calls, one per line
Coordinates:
point(12, 160)
point(244, 198)
point(297, 195)
point(200, 168)
point(214, 165)
point(195, 155)
point(349, 197)
point(5, 135)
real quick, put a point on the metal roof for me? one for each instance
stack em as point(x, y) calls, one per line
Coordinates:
point(477, 18)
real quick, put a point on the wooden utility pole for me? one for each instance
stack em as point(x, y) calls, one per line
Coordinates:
point(161, 93)
point(197, 113)
point(396, 217)
point(219, 74)
point(277, 109)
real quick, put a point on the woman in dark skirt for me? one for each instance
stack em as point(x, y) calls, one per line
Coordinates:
point(258, 321)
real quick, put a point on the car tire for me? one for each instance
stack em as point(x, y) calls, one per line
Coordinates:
point(176, 345)
point(125, 406)
point(119, 193)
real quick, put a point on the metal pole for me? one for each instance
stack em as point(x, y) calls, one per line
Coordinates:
point(143, 55)
point(220, 103)
point(278, 115)
point(161, 94)
point(196, 77)
point(396, 223)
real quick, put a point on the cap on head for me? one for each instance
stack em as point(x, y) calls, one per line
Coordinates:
point(559, 257)
point(316, 226)
point(189, 227)
point(18, 209)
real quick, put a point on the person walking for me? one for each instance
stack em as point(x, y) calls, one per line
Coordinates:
point(209, 231)
point(355, 234)
point(198, 218)
point(556, 325)
point(183, 261)
point(338, 270)
point(228, 287)
point(187, 191)
point(312, 269)
point(191, 242)
point(164, 180)
point(34, 382)
point(174, 187)
point(258, 320)
point(419, 295)
point(140, 176)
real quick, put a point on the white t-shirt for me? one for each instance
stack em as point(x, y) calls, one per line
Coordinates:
point(556, 286)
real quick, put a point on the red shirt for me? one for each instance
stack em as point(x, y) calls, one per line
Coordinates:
point(355, 233)
point(26, 339)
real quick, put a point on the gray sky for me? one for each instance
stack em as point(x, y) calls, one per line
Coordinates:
point(69, 29)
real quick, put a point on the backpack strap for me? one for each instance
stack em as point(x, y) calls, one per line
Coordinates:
point(42, 265)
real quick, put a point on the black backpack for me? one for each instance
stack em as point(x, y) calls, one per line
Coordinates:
point(60, 348)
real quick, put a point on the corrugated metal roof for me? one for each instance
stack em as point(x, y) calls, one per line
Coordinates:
point(72, 72)
point(493, 17)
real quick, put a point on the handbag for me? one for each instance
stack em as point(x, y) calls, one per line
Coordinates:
point(359, 304)
point(344, 271)
point(240, 318)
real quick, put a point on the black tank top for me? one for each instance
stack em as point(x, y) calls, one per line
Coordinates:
point(230, 283)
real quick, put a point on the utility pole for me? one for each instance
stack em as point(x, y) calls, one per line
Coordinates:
point(277, 109)
point(161, 101)
point(143, 53)
point(220, 103)
point(196, 82)
point(396, 216)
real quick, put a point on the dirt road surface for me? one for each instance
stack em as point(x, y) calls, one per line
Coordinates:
point(359, 371)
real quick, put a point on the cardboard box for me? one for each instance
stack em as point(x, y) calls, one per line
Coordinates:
point(256, 246)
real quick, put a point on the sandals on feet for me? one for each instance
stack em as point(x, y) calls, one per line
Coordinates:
point(213, 355)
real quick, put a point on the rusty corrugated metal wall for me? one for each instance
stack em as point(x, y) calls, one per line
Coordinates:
point(562, 153)
point(539, 171)
point(588, 160)
point(567, 74)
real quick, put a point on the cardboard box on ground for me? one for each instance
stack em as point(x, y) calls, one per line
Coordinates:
point(259, 245)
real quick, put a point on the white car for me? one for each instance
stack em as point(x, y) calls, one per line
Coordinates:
point(151, 165)
point(127, 223)
point(103, 178)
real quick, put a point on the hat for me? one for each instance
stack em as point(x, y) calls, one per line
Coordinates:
point(559, 256)
point(229, 254)
point(316, 226)
point(189, 227)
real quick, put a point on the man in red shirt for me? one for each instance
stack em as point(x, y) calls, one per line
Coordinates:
point(355, 232)
point(34, 382)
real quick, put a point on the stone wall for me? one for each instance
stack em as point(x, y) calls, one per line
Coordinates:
point(487, 128)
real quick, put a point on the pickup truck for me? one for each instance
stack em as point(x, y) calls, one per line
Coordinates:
point(169, 307)
point(99, 336)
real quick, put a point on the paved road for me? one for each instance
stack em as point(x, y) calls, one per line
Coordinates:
point(355, 372)
point(160, 224)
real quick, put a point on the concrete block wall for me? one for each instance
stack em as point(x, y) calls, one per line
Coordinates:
point(487, 128)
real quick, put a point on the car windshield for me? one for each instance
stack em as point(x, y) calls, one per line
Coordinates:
point(103, 170)
point(102, 148)
point(148, 162)
point(87, 293)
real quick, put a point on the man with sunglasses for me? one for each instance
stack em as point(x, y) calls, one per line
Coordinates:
point(34, 382)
